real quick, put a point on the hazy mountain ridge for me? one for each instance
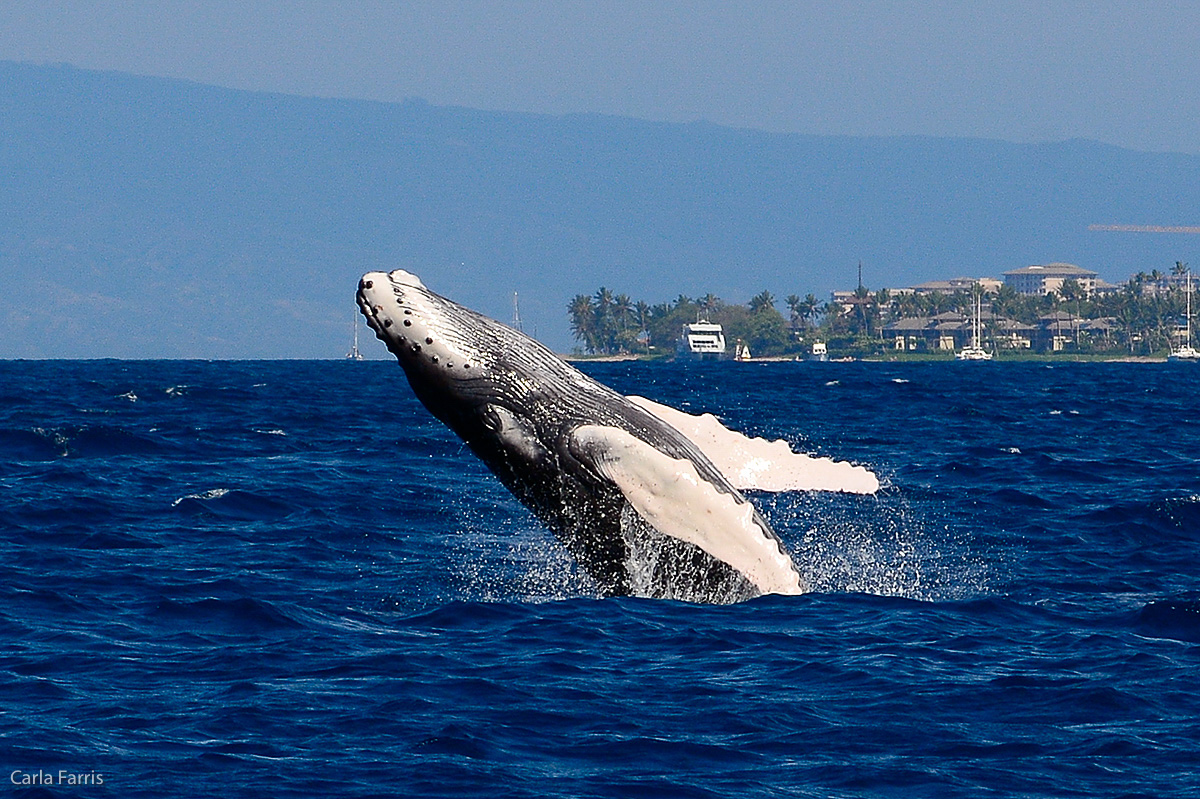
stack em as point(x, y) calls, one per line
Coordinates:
point(151, 217)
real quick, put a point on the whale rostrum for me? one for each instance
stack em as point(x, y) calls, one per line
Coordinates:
point(638, 502)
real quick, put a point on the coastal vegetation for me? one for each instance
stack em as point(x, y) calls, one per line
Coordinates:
point(609, 324)
point(1143, 317)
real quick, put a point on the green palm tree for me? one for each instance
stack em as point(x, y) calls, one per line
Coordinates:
point(583, 320)
point(606, 328)
point(883, 305)
point(623, 310)
point(642, 313)
point(793, 304)
point(761, 300)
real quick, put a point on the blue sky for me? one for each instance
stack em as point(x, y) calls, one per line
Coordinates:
point(1027, 70)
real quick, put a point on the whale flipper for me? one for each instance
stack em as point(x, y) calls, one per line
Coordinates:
point(670, 495)
point(755, 463)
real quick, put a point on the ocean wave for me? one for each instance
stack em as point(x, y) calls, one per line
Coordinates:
point(1170, 618)
point(233, 504)
point(241, 615)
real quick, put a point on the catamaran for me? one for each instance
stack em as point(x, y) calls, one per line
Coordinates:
point(1186, 352)
point(975, 352)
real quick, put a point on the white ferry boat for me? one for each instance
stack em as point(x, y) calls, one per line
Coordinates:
point(702, 339)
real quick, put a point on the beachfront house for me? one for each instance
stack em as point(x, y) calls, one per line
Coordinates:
point(951, 331)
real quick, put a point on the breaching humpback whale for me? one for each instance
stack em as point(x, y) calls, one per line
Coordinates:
point(644, 507)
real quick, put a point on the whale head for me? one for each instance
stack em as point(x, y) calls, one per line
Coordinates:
point(458, 362)
point(430, 335)
point(442, 346)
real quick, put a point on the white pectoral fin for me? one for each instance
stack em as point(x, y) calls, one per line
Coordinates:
point(671, 496)
point(755, 463)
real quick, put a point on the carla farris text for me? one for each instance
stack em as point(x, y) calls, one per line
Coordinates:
point(60, 777)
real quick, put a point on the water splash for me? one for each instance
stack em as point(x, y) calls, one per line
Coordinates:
point(874, 545)
point(661, 567)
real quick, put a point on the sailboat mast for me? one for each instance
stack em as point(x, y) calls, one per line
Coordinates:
point(977, 323)
point(1189, 307)
point(354, 354)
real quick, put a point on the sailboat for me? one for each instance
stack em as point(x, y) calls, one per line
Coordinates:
point(975, 352)
point(1186, 353)
point(354, 354)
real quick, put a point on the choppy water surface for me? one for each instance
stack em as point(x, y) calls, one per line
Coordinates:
point(237, 578)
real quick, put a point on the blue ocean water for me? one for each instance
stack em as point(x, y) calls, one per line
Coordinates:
point(240, 578)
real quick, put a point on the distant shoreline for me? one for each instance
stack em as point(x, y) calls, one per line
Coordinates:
point(1031, 358)
point(573, 358)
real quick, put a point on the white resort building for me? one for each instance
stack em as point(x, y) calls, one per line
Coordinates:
point(1049, 278)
